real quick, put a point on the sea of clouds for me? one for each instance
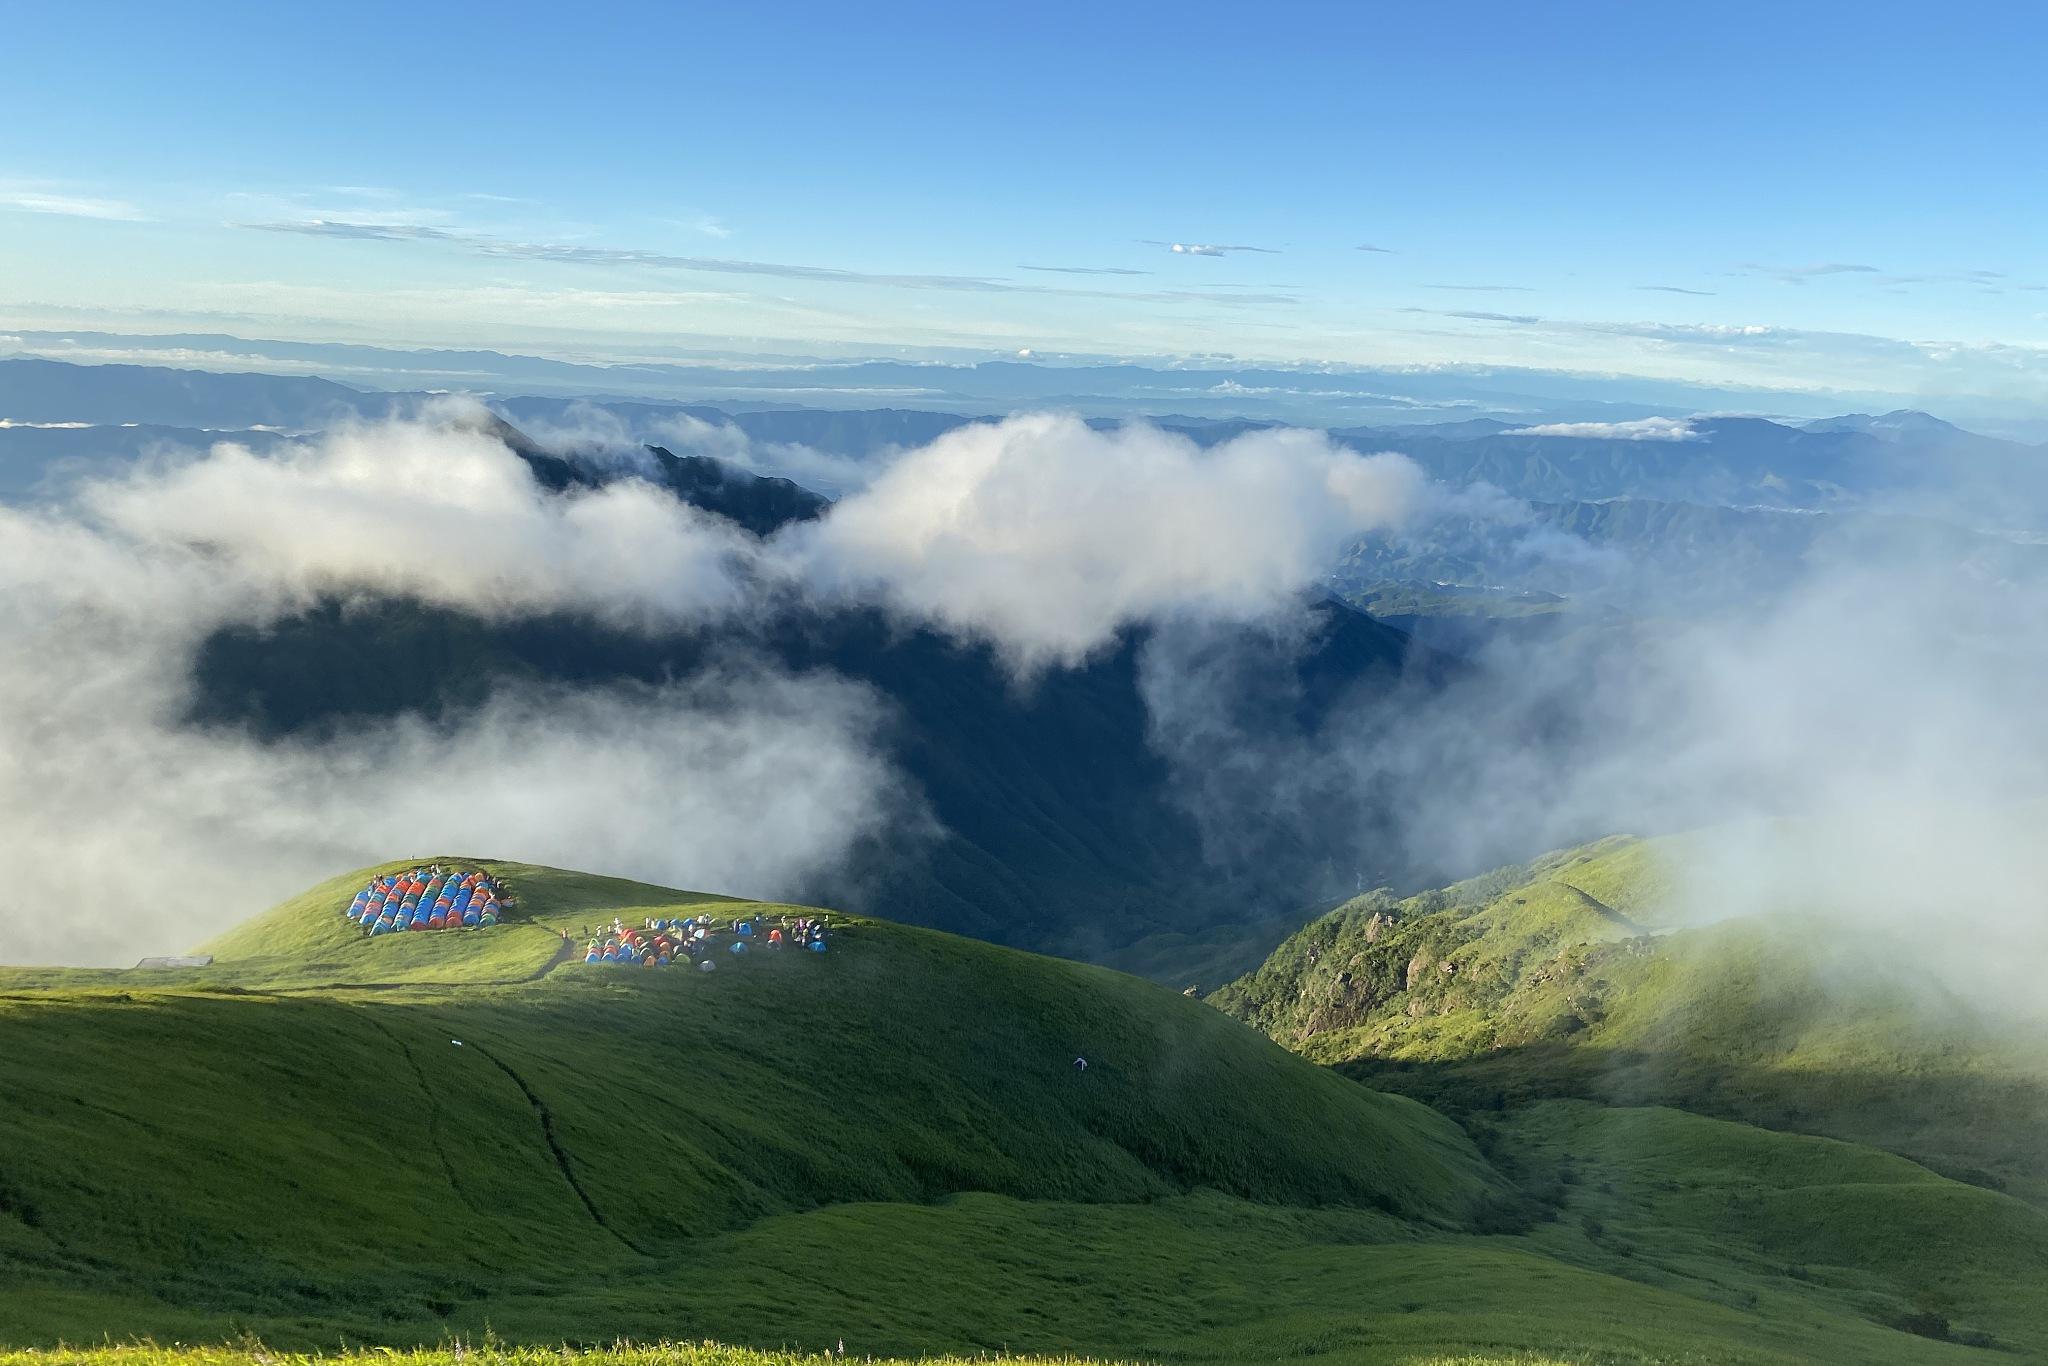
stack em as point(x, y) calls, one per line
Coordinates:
point(1887, 709)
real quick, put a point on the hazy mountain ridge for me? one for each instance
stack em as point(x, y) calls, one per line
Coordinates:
point(1720, 461)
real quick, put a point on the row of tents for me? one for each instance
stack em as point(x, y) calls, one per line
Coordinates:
point(428, 898)
point(662, 942)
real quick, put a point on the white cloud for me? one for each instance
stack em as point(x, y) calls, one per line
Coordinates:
point(708, 225)
point(1047, 537)
point(1641, 429)
point(440, 512)
point(1038, 534)
point(1207, 248)
point(31, 199)
point(148, 834)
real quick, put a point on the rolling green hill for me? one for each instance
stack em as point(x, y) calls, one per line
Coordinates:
point(324, 1139)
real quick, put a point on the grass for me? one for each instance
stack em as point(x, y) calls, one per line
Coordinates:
point(498, 1354)
point(465, 1354)
point(884, 1145)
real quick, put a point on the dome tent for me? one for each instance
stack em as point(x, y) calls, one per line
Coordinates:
point(428, 897)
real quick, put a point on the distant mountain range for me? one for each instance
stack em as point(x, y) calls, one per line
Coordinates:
point(1891, 462)
point(971, 381)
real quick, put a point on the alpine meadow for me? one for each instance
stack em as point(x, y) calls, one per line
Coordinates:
point(1140, 686)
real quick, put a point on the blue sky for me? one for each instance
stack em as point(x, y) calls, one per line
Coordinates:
point(1803, 196)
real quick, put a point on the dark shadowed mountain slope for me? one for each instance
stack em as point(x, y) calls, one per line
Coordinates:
point(1058, 823)
point(1060, 826)
point(761, 504)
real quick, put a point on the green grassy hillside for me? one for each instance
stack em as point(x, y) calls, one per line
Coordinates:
point(1728, 1106)
point(293, 1137)
point(1563, 978)
point(324, 1139)
point(495, 1354)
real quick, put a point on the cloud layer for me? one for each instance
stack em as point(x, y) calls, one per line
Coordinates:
point(1869, 730)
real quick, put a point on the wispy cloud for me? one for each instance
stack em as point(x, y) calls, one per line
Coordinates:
point(1677, 289)
point(1474, 315)
point(1714, 334)
point(1988, 281)
point(1799, 275)
point(1485, 289)
point(1087, 270)
point(1206, 248)
point(44, 199)
point(579, 254)
point(707, 224)
point(1204, 296)
point(363, 205)
point(1383, 251)
point(1642, 429)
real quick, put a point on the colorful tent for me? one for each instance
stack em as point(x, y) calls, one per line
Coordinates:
point(427, 898)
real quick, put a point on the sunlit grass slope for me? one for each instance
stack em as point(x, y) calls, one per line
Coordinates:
point(325, 1140)
point(1564, 978)
point(1544, 1006)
